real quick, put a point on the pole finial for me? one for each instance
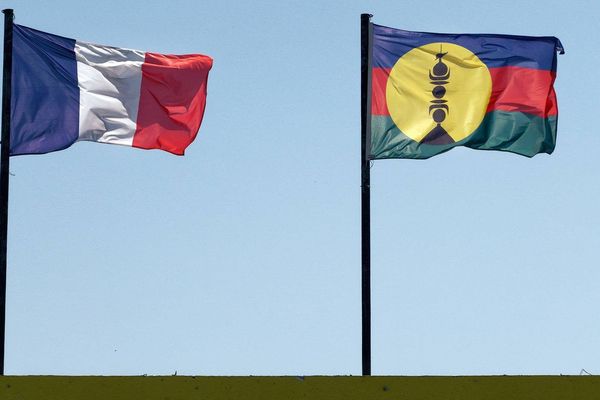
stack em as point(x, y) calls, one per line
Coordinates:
point(9, 12)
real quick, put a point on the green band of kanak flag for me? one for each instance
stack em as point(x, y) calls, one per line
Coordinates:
point(515, 132)
point(432, 92)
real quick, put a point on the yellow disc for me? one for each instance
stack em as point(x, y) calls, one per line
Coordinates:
point(438, 93)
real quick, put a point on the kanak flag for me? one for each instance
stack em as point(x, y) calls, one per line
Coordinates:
point(432, 92)
point(64, 91)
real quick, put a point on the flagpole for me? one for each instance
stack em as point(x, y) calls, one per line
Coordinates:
point(4, 172)
point(365, 47)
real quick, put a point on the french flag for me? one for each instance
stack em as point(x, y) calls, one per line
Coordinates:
point(64, 91)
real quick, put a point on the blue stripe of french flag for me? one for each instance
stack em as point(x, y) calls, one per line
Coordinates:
point(64, 91)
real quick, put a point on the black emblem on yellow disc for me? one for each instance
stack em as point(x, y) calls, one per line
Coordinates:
point(439, 76)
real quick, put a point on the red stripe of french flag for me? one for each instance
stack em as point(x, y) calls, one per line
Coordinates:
point(513, 89)
point(172, 101)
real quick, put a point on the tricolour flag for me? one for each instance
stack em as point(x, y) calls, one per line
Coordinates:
point(64, 91)
point(432, 92)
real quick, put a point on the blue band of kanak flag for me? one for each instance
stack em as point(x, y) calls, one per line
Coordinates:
point(64, 91)
point(537, 52)
point(502, 85)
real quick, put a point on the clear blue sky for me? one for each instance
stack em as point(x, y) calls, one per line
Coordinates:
point(243, 257)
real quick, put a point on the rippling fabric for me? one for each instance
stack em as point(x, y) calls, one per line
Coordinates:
point(66, 91)
point(514, 108)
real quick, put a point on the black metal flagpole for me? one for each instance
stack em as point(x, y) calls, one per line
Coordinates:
point(365, 75)
point(4, 172)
